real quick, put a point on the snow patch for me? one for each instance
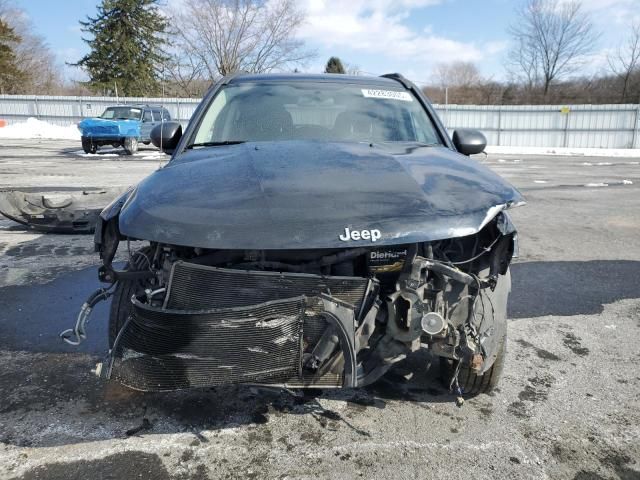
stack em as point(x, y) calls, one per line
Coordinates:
point(539, 181)
point(97, 155)
point(627, 182)
point(154, 156)
point(596, 185)
point(34, 128)
point(587, 152)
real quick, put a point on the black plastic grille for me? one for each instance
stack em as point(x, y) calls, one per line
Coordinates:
point(199, 287)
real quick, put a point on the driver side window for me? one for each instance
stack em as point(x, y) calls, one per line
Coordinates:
point(147, 116)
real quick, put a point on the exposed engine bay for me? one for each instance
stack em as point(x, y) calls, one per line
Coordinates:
point(303, 318)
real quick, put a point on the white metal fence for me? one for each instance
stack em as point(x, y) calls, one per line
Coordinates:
point(576, 126)
point(68, 110)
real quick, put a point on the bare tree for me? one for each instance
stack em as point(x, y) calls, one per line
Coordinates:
point(551, 40)
point(186, 74)
point(626, 60)
point(352, 69)
point(41, 74)
point(459, 82)
point(457, 74)
point(524, 65)
point(219, 37)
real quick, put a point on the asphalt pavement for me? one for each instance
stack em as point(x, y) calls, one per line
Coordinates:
point(567, 405)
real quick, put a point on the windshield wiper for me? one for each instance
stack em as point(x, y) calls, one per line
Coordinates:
point(215, 144)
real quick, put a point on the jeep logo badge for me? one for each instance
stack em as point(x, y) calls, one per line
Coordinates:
point(348, 234)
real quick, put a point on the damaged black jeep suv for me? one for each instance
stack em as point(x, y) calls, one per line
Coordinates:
point(309, 231)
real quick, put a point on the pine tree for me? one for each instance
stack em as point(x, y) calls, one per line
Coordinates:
point(126, 48)
point(334, 65)
point(10, 74)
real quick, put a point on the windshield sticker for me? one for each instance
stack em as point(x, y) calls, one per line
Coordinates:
point(391, 94)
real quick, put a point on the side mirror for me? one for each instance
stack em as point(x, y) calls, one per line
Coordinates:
point(166, 136)
point(468, 141)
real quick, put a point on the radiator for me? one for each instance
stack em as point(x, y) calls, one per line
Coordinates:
point(197, 287)
point(222, 326)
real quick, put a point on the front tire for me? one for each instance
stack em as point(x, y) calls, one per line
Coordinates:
point(88, 146)
point(471, 383)
point(130, 145)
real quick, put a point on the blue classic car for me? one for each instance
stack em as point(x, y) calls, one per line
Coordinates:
point(121, 125)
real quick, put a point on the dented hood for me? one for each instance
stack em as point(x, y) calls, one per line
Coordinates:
point(304, 194)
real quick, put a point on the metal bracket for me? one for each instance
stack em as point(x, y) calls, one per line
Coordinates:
point(79, 331)
point(111, 276)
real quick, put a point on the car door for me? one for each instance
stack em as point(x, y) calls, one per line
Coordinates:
point(147, 125)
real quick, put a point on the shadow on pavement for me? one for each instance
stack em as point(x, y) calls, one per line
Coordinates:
point(119, 465)
point(62, 388)
point(56, 378)
point(109, 152)
point(571, 288)
point(34, 315)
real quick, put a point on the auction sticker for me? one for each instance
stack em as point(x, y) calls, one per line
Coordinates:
point(391, 94)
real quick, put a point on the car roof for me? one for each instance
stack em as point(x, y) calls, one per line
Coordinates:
point(136, 105)
point(307, 77)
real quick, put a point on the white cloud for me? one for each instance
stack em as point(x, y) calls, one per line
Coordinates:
point(380, 27)
point(607, 11)
point(69, 55)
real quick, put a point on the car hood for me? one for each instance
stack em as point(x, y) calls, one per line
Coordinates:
point(304, 194)
point(101, 125)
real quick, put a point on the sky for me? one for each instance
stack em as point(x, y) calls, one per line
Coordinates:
point(378, 36)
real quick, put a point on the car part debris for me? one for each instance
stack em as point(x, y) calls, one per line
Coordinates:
point(309, 232)
point(56, 213)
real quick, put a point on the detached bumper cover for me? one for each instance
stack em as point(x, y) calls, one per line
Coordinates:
point(56, 213)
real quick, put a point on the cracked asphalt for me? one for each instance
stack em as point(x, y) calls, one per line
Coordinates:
point(567, 406)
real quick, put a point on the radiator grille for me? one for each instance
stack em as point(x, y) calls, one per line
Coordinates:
point(104, 130)
point(199, 287)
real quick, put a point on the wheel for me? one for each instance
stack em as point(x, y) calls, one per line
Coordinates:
point(130, 145)
point(147, 142)
point(471, 383)
point(121, 300)
point(88, 146)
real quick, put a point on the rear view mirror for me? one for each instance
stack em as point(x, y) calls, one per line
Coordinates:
point(166, 136)
point(468, 141)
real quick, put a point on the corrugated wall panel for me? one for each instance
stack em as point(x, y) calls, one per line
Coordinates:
point(577, 126)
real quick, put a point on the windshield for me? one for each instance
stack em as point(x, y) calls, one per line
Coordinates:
point(122, 113)
point(314, 111)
